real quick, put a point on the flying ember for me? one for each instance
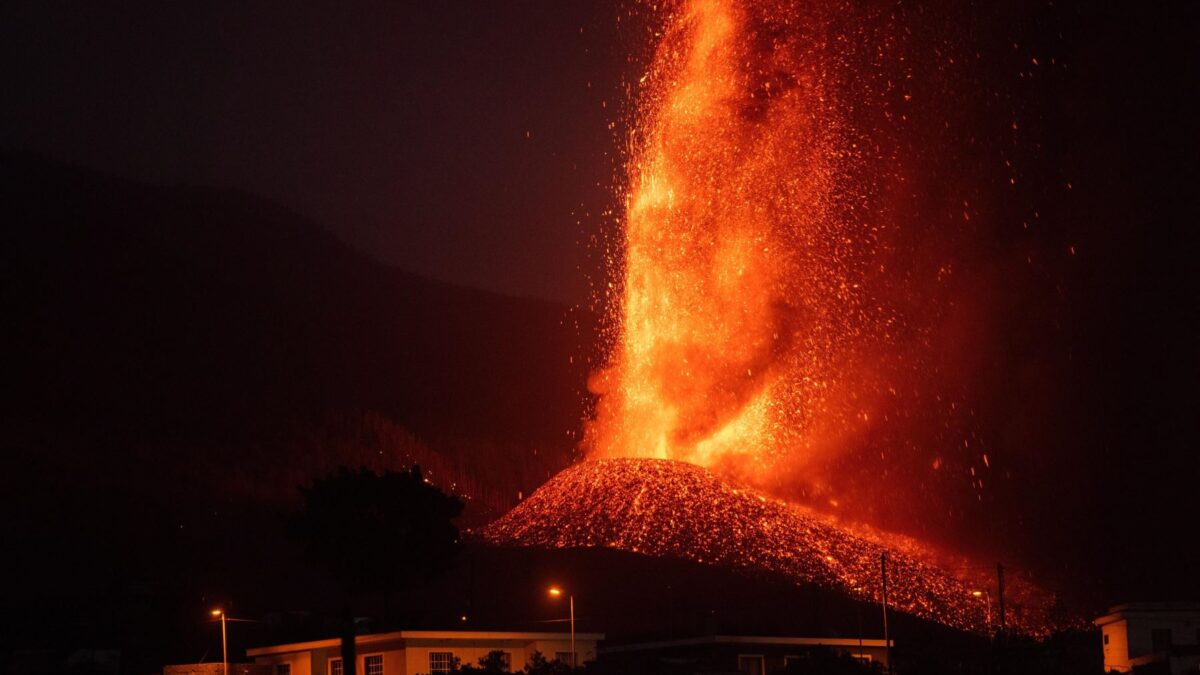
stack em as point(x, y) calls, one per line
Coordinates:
point(746, 317)
point(782, 327)
point(668, 508)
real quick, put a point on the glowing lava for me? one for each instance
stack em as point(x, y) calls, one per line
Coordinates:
point(743, 314)
point(762, 328)
point(666, 508)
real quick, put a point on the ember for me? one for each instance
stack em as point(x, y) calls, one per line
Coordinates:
point(668, 508)
point(758, 333)
point(783, 317)
point(746, 327)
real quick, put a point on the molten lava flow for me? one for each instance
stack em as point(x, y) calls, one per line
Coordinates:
point(743, 311)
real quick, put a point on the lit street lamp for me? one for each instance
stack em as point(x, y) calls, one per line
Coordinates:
point(557, 592)
point(988, 596)
point(224, 644)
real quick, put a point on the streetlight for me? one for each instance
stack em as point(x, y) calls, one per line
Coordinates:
point(224, 644)
point(988, 597)
point(557, 592)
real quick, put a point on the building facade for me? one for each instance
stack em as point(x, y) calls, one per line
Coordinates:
point(748, 655)
point(423, 652)
point(1159, 636)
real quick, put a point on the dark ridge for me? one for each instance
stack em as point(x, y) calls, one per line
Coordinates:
point(180, 359)
point(182, 313)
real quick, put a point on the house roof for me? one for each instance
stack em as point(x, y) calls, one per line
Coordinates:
point(376, 638)
point(1120, 612)
point(745, 640)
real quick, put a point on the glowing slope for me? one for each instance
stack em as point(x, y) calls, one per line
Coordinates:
point(668, 508)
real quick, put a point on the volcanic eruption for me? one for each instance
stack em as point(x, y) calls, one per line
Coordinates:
point(671, 508)
point(760, 329)
point(747, 318)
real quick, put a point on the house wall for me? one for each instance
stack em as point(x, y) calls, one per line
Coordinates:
point(775, 656)
point(417, 654)
point(321, 657)
point(1139, 629)
point(411, 656)
point(876, 654)
point(301, 662)
point(318, 659)
point(716, 657)
point(1116, 652)
point(393, 658)
point(1130, 635)
point(585, 649)
point(471, 651)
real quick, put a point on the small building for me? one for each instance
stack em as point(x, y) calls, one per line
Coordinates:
point(749, 655)
point(1151, 636)
point(423, 652)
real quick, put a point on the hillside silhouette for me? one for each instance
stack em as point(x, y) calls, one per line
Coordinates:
point(164, 331)
point(181, 359)
point(181, 304)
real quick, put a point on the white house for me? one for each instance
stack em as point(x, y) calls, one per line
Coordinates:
point(423, 652)
point(1141, 633)
point(745, 654)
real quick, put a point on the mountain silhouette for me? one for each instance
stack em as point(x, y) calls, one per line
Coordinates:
point(192, 323)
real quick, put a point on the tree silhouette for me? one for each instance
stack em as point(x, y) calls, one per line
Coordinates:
point(496, 663)
point(539, 665)
point(376, 533)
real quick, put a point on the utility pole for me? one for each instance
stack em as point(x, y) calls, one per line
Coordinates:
point(1000, 591)
point(858, 616)
point(887, 642)
point(220, 614)
point(556, 592)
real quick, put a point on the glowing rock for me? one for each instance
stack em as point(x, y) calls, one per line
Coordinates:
point(667, 508)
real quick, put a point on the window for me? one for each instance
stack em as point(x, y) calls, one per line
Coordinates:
point(751, 665)
point(283, 669)
point(439, 662)
point(563, 657)
point(373, 664)
point(1160, 639)
point(506, 662)
point(1106, 638)
point(335, 667)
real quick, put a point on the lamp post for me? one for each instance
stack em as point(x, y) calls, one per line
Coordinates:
point(557, 592)
point(988, 596)
point(224, 644)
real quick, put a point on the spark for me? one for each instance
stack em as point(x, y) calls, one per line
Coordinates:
point(760, 333)
point(743, 316)
point(675, 509)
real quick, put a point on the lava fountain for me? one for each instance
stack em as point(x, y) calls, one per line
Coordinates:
point(767, 316)
point(745, 315)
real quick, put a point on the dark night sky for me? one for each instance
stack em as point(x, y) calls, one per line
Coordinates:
point(458, 140)
point(470, 142)
point(463, 141)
